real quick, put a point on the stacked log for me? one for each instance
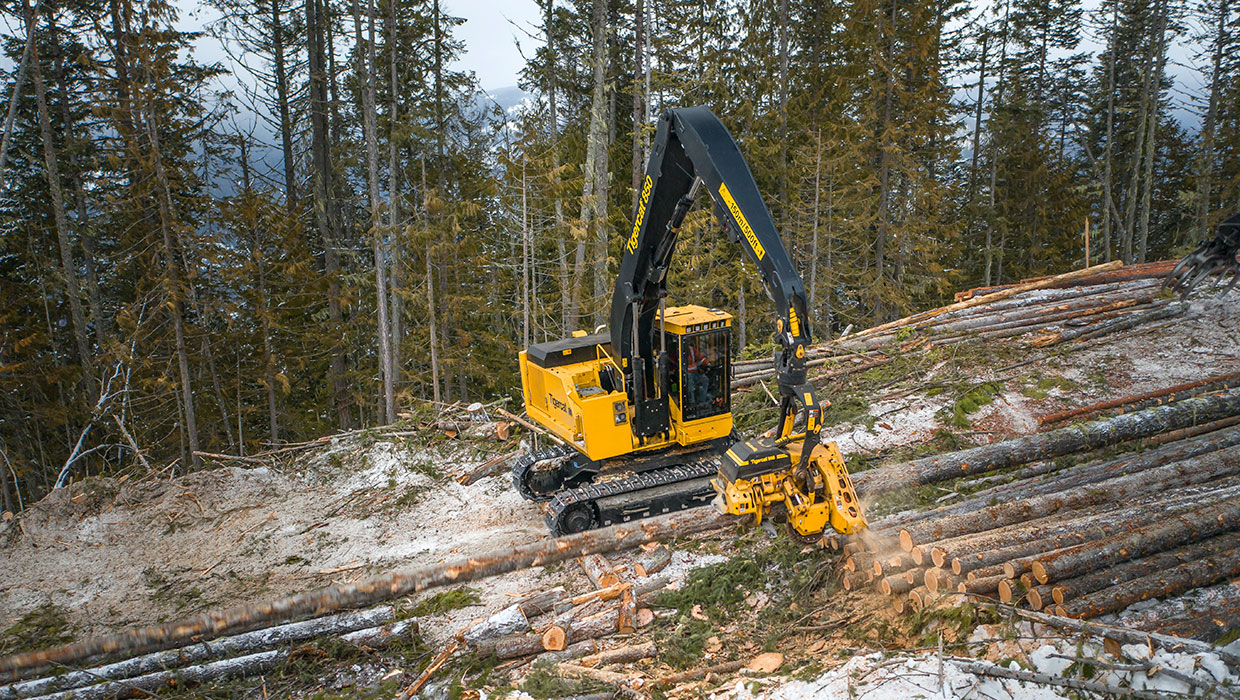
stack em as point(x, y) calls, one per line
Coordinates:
point(1075, 306)
point(1081, 541)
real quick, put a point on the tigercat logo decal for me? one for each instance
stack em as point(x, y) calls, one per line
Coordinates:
point(641, 214)
point(750, 236)
point(560, 405)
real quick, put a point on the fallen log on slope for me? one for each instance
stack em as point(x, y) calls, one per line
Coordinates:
point(1150, 270)
point(978, 301)
point(1077, 438)
point(373, 589)
point(1179, 474)
point(1177, 579)
point(1176, 530)
point(247, 643)
point(1118, 324)
point(1124, 635)
point(149, 684)
point(1158, 397)
point(1075, 476)
point(986, 668)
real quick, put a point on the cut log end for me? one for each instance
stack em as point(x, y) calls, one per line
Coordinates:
point(918, 555)
point(1035, 599)
point(1007, 591)
point(906, 540)
point(554, 638)
point(938, 555)
point(1040, 572)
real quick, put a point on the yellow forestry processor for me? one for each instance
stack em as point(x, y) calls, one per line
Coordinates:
point(642, 413)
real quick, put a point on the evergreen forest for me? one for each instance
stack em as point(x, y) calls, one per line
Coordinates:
point(186, 270)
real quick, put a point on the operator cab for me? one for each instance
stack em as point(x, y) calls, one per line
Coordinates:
point(699, 362)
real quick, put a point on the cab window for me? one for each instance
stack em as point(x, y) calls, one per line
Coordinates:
point(704, 375)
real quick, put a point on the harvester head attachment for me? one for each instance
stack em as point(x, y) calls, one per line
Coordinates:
point(1216, 256)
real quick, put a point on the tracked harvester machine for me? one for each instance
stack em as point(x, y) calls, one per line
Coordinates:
point(642, 413)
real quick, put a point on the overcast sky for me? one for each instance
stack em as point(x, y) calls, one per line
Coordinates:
point(490, 33)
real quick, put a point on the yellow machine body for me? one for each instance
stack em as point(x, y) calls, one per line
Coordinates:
point(757, 477)
point(575, 389)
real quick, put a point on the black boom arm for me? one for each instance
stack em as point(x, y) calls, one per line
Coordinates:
point(693, 149)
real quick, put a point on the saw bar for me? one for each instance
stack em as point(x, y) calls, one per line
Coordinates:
point(634, 497)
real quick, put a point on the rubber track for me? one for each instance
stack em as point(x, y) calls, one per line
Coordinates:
point(616, 487)
point(527, 462)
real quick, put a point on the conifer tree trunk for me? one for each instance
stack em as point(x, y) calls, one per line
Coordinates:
point(430, 291)
point(396, 281)
point(994, 153)
point(594, 197)
point(553, 117)
point(1108, 176)
point(813, 248)
point(977, 132)
point(1205, 157)
point(79, 191)
point(282, 104)
point(52, 170)
point(324, 204)
point(19, 77)
point(1151, 140)
point(176, 288)
point(365, 69)
point(639, 60)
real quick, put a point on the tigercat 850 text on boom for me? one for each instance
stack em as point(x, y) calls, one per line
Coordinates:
point(643, 412)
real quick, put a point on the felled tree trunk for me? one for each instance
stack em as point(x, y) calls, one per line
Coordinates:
point(1167, 395)
point(1206, 468)
point(374, 589)
point(1169, 582)
point(1068, 589)
point(1167, 533)
point(1049, 445)
point(226, 646)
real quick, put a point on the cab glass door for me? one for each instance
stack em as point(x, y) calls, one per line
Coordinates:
point(704, 365)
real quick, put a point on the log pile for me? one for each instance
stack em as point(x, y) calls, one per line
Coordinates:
point(1082, 305)
point(1079, 541)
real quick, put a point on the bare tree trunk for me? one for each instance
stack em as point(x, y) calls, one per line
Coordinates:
point(396, 271)
point(1151, 139)
point(365, 68)
point(1205, 159)
point(324, 205)
point(18, 78)
point(594, 197)
point(52, 171)
point(1108, 156)
point(282, 101)
point(525, 260)
point(639, 60)
point(175, 286)
point(813, 249)
point(430, 294)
